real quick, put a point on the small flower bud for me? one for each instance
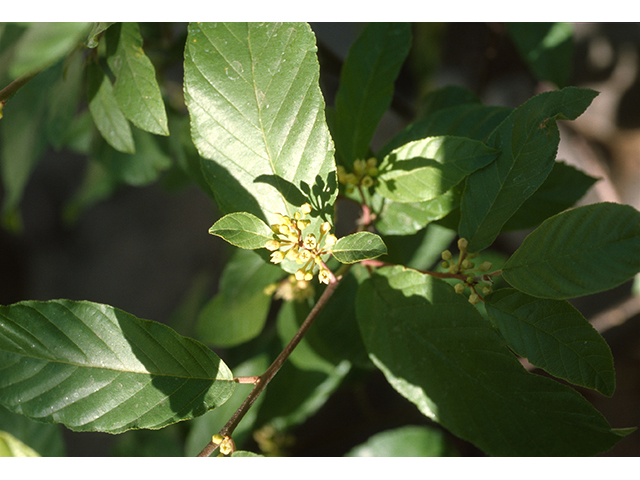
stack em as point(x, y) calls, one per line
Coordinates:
point(445, 264)
point(305, 209)
point(454, 269)
point(459, 287)
point(227, 447)
point(277, 257)
point(463, 244)
point(485, 266)
point(486, 290)
point(367, 181)
point(217, 439)
point(474, 298)
point(300, 274)
point(325, 227)
point(330, 241)
point(446, 255)
point(467, 264)
point(272, 245)
point(471, 280)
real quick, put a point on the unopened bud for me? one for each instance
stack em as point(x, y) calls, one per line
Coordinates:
point(459, 287)
point(463, 244)
point(485, 266)
point(446, 255)
point(305, 209)
point(474, 298)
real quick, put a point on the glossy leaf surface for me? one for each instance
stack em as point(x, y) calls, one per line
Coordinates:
point(438, 351)
point(528, 141)
point(92, 367)
point(366, 86)
point(358, 246)
point(136, 88)
point(425, 169)
point(579, 252)
point(243, 230)
point(257, 118)
point(554, 336)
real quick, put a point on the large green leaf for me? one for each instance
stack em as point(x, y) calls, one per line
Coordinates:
point(564, 186)
point(358, 246)
point(93, 367)
point(554, 336)
point(136, 88)
point(239, 310)
point(425, 169)
point(579, 252)
point(408, 441)
point(109, 119)
point(546, 47)
point(366, 86)
point(528, 140)
point(45, 43)
point(438, 351)
point(257, 118)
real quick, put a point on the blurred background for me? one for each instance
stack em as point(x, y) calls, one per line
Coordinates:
point(147, 250)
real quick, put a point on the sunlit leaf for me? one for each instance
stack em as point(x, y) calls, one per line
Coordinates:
point(358, 246)
point(243, 230)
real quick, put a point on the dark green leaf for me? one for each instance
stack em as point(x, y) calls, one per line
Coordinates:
point(92, 367)
point(257, 118)
point(583, 251)
point(136, 88)
point(409, 441)
point(554, 336)
point(528, 141)
point(239, 310)
point(358, 246)
point(437, 351)
point(109, 119)
point(366, 86)
point(546, 47)
point(563, 187)
point(243, 230)
point(425, 169)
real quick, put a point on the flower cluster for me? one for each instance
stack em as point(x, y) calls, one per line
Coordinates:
point(290, 243)
point(291, 288)
point(364, 172)
point(466, 267)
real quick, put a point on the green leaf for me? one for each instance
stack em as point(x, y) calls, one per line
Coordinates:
point(45, 438)
point(45, 43)
point(243, 230)
point(257, 118)
point(554, 336)
point(409, 441)
point(93, 367)
point(528, 141)
point(358, 246)
point(366, 86)
point(10, 446)
point(136, 88)
point(563, 187)
point(579, 252)
point(437, 351)
point(239, 310)
point(109, 119)
point(96, 29)
point(425, 169)
point(546, 47)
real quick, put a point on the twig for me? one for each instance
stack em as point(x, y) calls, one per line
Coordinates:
point(263, 380)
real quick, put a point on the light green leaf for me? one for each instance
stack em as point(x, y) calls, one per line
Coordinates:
point(425, 169)
point(366, 86)
point(45, 43)
point(528, 142)
point(93, 367)
point(579, 252)
point(136, 88)
point(239, 310)
point(436, 350)
point(257, 118)
point(546, 47)
point(96, 29)
point(45, 438)
point(358, 246)
point(243, 230)
point(10, 446)
point(244, 454)
point(109, 119)
point(554, 336)
point(409, 441)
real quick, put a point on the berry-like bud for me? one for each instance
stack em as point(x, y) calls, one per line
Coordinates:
point(485, 266)
point(272, 245)
point(463, 244)
point(486, 290)
point(445, 264)
point(474, 298)
point(305, 209)
point(367, 181)
point(330, 241)
point(467, 264)
point(446, 255)
point(459, 287)
point(325, 227)
point(217, 439)
point(471, 280)
point(454, 269)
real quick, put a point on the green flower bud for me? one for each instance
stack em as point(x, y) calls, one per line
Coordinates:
point(459, 287)
point(485, 266)
point(463, 244)
point(446, 255)
point(474, 298)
